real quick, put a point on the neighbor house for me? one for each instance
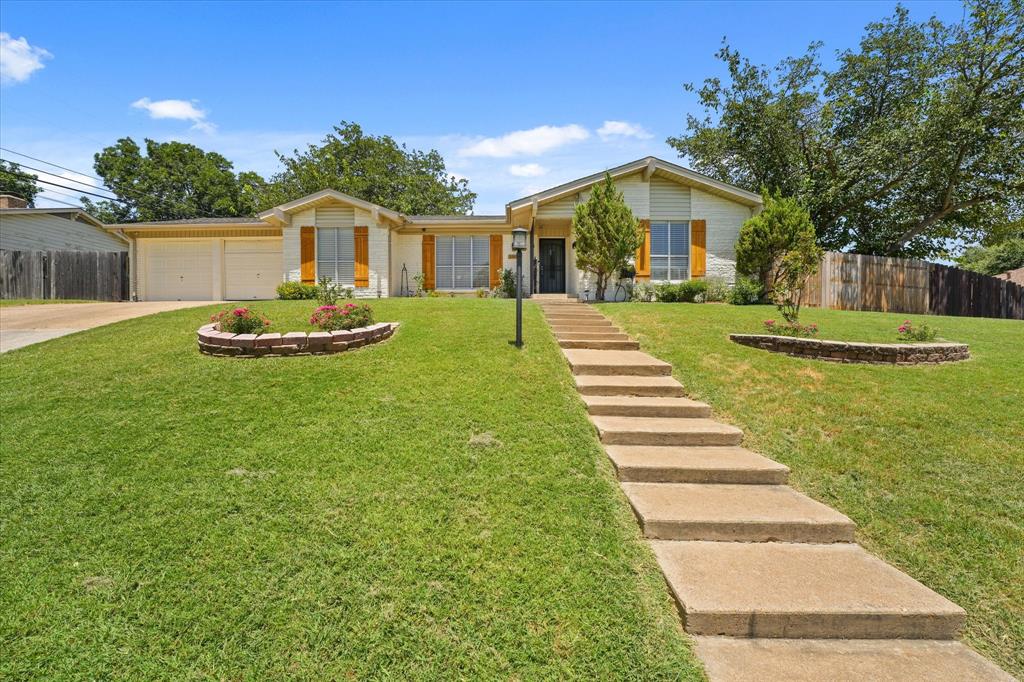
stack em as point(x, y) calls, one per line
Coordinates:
point(691, 223)
point(53, 229)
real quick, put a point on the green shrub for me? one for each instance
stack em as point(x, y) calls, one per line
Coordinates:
point(684, 292)
point(296, 291)
point(908, 333)
point(328, 293)
point(718, 290)
point(786, 328)
point(507, 287)
point(240, 321)
point(330, 318)
point(642, 292)
point(746, 291)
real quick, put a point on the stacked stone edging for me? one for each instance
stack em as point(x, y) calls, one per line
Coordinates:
point(855, 352)
point(214, 342)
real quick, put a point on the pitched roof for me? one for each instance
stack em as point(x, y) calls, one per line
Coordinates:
point(324, 194)
point(648, 164)
point(243, 220)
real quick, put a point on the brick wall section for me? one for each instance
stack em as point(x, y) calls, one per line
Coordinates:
point(872, 353)
point(213, 342)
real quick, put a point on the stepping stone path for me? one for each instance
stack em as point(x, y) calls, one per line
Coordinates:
point(768, 581)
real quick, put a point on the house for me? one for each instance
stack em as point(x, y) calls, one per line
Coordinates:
point(691, 222)
point(53, 229)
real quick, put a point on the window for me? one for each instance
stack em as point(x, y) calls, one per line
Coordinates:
point(670, 251)
point(461, 262)
point(336, 255)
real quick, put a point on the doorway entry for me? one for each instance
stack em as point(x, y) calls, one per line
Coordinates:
point(552, 266)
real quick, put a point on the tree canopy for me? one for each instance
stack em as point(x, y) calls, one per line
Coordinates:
point(172, 180)
point(20, 183)
point(373, 168)
point(607, 234)
point(915, 138)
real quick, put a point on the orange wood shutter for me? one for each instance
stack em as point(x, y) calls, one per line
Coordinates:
point(428, 262)
point(496, 264)
point(307, 255)
point(698, 248)
point(643, 254)
point(361, 237)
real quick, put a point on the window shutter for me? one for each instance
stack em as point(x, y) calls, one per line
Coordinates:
point(307, 255)
point(495, 265)
point(361, 239)
point(428, 262)
point(643, 254)
point(698, 248)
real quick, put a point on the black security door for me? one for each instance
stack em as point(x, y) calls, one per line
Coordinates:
point(552, 266)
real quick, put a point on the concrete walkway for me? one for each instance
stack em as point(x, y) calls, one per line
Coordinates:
point(770, 582)
point(24, 325)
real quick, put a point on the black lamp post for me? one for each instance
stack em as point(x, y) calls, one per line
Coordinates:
point(519, 245)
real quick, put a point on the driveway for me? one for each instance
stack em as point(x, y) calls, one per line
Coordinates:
point(24, 325)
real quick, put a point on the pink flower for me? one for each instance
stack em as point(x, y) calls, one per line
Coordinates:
point(240, 312)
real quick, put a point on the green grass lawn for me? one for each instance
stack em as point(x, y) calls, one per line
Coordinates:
point(6, 302)
point(433, 507)
point(928, 460)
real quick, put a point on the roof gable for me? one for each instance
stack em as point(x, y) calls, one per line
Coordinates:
point(328, 197)
point(649, 166)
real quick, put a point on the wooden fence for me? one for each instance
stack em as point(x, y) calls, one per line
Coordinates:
point(849, 281)
point(90, 275)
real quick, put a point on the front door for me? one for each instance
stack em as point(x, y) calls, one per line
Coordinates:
point(552, 266)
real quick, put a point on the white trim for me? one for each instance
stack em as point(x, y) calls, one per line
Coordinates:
point(337, 196)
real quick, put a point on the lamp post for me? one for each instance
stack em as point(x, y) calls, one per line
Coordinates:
point(518, 245)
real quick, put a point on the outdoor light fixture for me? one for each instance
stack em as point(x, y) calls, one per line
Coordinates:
point(519, 244)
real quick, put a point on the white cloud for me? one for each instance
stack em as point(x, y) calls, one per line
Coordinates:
point(613, 129)
point(177, 109)
point(527, 170)
point(526, 142)
point(18, 59)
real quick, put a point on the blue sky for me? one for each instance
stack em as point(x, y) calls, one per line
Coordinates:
point(518, 97)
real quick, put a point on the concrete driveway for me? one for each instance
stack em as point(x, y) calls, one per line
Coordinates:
point(24, 325)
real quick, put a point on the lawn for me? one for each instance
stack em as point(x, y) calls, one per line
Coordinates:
point(928, 460)
point(8, 302)
point(436, 506)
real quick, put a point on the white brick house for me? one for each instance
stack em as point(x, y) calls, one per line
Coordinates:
point(691, 221)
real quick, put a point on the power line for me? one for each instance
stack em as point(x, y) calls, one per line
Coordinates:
point(47, 190)
point(58, 201)
point(80, 182)
point(80, 191)
point(50, 163)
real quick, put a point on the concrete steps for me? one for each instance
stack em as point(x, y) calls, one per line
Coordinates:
point(616, 362)
point(639, 406)
point(592, 336)
point(774, 589)
point(843, 660)
point(582, 324)
point(665, 431)
point(734, 513)
point(628, 385)
point(680, 464)
point(599, 344)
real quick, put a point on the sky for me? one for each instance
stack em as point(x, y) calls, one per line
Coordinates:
point(517, 97)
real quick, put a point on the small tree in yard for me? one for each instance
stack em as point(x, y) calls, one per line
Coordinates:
point(607, 234)
point(779, 247)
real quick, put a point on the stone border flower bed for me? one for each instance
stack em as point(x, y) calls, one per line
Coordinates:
point(214, 342)
point(842, 351)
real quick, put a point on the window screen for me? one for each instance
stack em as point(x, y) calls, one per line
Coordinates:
point(670, 251)
point(336, 254)
point(461, 262)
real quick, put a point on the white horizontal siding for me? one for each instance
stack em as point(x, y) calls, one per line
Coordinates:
point(637, 194)
point(669, 200)
point(46, 232)
point(343, 216)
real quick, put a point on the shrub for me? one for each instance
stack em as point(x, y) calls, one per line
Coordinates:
point(507, 287)
point(908, 333)
point(643, 292)
point(684, 292)
point(420, 279)
point(240, 321)
point(330, 318)
point(745, 292)
point(481, 293)
point(328, 293)
point(718, 289)
point(790, 328)
point(295, 291)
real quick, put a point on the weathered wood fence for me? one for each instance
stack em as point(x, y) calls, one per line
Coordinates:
point(849, 281)
point(90, 275)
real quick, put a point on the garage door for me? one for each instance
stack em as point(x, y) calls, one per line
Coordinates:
point(252, 268)
point(179, 270)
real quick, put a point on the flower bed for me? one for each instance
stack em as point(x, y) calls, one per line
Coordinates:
point(843, 351)
point(214, 342)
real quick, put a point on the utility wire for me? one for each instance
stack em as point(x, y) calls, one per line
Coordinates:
point(80, 182)
point(80, 191)
point(50, 163)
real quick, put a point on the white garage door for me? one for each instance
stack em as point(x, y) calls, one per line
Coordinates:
point(179, 270)
point(252, 268)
